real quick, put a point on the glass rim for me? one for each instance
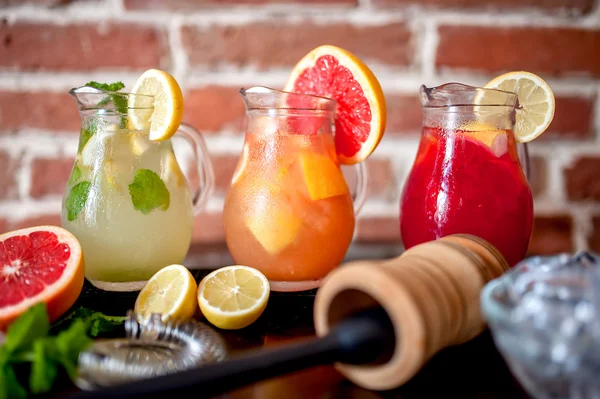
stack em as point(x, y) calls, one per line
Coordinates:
point(101, 94)
point(478, 93)
point(279, 99)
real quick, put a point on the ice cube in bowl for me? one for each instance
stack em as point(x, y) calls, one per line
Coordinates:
point(543, 316)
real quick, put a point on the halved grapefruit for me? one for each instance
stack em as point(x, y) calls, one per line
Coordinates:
point(39, 264)
point(330, 71)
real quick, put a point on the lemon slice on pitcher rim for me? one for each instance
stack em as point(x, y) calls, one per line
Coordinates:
point(170, 292)
point(536, 102)
point(166, 116)
point(233, 297)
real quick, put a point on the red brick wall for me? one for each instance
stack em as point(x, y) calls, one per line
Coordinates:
point(213, 47)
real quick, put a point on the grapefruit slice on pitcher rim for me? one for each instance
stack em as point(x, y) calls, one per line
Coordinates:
point(39, 264)
point(332, 72)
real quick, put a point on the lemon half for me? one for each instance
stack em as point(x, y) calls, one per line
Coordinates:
point(171, 292)
point(233, 297)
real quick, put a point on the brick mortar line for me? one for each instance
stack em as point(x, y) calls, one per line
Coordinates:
point(23, 176)
point(395, 80)
point(290, 13)
point(38, 143)
point(27, 207)
point(18, 210)
point(597, 114)
point(582, 227)
point(46, 143)
point(427, 43)
point(179, 59)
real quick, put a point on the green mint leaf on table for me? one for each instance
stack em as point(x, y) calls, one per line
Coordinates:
point(43, 369)
point(106, 86)
point(28, 344)
point(97, 322)
point(75, 174)
point(100, 324)
point(69, 343)
point(76, 199)
point(148, 192)
point(31, 325)
point(10, 388)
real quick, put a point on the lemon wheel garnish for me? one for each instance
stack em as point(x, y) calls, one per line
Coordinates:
point(233, 297)
point(536, 102)
point(171, 292)
point(164, 120)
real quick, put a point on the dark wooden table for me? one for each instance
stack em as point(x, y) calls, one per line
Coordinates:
point(471, 370)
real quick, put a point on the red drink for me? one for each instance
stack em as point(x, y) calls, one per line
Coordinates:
point(468, 181)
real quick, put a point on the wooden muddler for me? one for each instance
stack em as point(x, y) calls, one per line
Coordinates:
point(430, 293)
point(379, 322)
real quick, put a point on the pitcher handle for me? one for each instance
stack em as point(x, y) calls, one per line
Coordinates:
point(361, 187)
point(206, 176)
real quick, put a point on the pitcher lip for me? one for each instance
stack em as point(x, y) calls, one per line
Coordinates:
point(427, 97)
point(280, 99)
point(91, 91)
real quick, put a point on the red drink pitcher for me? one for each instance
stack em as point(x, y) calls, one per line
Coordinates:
point(467, 176)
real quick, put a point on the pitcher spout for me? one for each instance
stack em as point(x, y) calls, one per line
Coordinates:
point(95, 100)
point(458, 94)
point(265, 98)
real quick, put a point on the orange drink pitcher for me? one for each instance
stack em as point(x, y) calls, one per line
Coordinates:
point(289, 212)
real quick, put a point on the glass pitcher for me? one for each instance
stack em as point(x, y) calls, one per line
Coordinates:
point(467, 176)
point(127, 200)
point(288, 211)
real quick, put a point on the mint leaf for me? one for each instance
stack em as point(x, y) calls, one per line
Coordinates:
point(75, 174)
point(31, 325)
point(106, 86)
point(97, 322)
point(148, 192)
point(76, 199)
point(120, 102)
point(10, 388)
point(43, 369)
point(69, 343)
point(100, 323)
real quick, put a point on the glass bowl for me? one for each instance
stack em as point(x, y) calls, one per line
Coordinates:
point(544, 319)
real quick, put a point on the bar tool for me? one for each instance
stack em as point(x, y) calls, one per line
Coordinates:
point(378, 322)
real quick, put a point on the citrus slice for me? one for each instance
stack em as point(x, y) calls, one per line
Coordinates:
point(360, 119)
point(39, 264)
point(322, 176)
point(233, 297)
point(170, 170)
point(273, 225)
point(164, 121)
point(241, 166)
point(536, 102)
point(487, 134)
point(170, 292)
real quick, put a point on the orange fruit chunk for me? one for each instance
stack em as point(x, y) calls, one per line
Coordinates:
point(273, 225)
point(322, 176)
point(39, 264)
point(360, 120)
point(487, 134)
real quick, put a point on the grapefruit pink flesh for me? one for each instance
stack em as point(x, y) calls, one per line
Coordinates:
point(327, 78)
point(38, 264)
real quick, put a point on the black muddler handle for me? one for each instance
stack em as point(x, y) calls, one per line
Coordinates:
point(364, 337)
